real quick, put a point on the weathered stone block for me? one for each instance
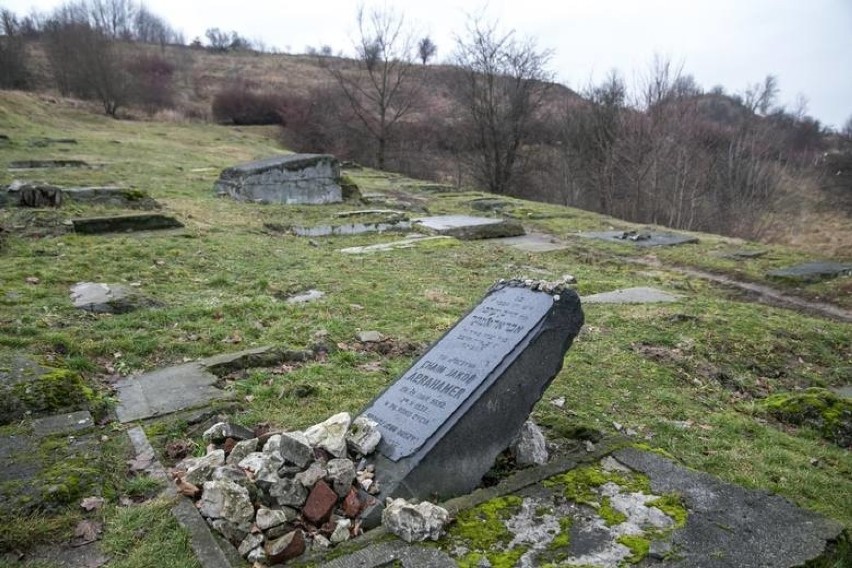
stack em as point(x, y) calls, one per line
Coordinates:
point(288, 179)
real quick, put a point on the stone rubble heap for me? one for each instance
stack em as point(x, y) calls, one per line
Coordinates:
point(276, 495)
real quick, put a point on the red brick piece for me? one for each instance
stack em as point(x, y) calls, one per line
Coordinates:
point(320, 503)
point(288, 546)
point(352, 504)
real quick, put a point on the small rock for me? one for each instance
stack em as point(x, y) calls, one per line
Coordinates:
point(660, 549)
point(295, 448)
point(268, 518)
point(226, 499)
point(249, 543)
point(341, 474)
point(203, 468)
point(320, 503)
point(241, 451)
point(273, 445)
point(589, 446)
point(568, 279)
point(32, 280)
point(529, 447)
point(234, 533)
point(263, 466)
point(288, 492)
point(618, 426)
point(352, 504)
point(363, 436)
point(369, 337)
point(414, 523)
point(341, 531)
point(331, 434)
point(257, 556)
point(321, 542)
point(310, 476)
point(558, 402)
point(222, 430)
point(285, 548)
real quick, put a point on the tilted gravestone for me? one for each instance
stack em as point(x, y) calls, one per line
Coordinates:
point(447, 418)
point(289, 179)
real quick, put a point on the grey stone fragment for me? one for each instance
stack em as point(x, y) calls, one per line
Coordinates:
point(222, 430)
point(733, 526)
point(310, 476)
point(201, 469)
point(341, 473)
point(330, 435)
point(263, 465)
point(258, 555)
point(204, 545)
point(530, 446)
point(272, 447)
point(234, 474)
point(233, 532)
point(465, 227)
point(288, 492)
point(363, 436)
point(412, 522)
point(306, 297)
point(640, 295)
point(226, 500)
point(63, 423)
point(248, 544)
point(295, 448)
point(812, 271)
point(341, 531)
point(241, 450)
point(287, 179)
point(369, 336)
point(107, 298)
point(268, 518)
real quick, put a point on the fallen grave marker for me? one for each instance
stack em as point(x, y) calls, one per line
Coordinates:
point(468, 228)
point(464, 401)
point(124, 224)
point(812, 271)
point(288, 179)
point(641, 238)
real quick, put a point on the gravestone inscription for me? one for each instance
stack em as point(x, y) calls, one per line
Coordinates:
point(445, 420)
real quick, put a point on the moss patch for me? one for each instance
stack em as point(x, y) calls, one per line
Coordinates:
point(818, 408)
point(638, 545)
point(671, 505)
point(56, 390)
point(580, 484)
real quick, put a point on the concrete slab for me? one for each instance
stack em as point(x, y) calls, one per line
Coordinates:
point(534, 242)
point(745, 254)
point(638, 295)
point(812, 271)
point(174, 388)
point(408, 242)
point(641, 238)
point(124, 224)
point(63, 423)
point(466, 227)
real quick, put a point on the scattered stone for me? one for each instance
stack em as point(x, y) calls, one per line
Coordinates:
point(248, 544)
point(288, 179)
point(103, 298)
point(352, 504)
point(812, 271)
point(341, 474)
point(331, 434)
point(124, 224)
point(198, 470)
point(295, 448)
point(638, 295)
point(320, 503)
point(414, 523)
point(226, 500)
point(222, 430)
point(285, 548)
point(306, 297)
point(241, 451)
point(369, 336)
point(234, 474)
point(530, 446)
point(310, 476)
point(33, 194)
point(642, 239)
point(272, 446)
point(269, 518)
point(341, 531)
point(363, 436)
point(288, 492)
point(258, 555)
point(468, 228)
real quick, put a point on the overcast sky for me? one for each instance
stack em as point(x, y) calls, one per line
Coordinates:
point(807, 44)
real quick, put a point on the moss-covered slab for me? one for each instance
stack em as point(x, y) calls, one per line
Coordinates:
point(824, 410)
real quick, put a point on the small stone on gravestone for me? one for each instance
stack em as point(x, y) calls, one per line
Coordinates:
point(414, 523)
point(638, 295)
point(812, 271)
point(467, 228)
point(330, 435)
point(479, 382)
point(295, 448)
point(286, 179)
point(530, 446)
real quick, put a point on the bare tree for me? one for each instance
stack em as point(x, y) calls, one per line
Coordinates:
point(14, 73)
point(504, 80)
point(426, 49)
point(113, 17)
point(217, 39)
point(385, 86)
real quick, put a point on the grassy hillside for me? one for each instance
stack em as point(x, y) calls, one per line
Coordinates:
point(688, 378)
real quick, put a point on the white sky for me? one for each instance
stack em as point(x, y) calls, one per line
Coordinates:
point(807, 44)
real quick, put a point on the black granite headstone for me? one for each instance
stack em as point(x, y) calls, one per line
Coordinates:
point(448, 417)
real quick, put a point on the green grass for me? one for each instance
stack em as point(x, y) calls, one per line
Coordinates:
point(707, 361)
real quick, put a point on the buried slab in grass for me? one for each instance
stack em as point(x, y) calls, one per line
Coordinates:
point(641, 238)
point(812, 271)
point(38, 164)
point(124, 224)
point(468, 228)
point(640, 295)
